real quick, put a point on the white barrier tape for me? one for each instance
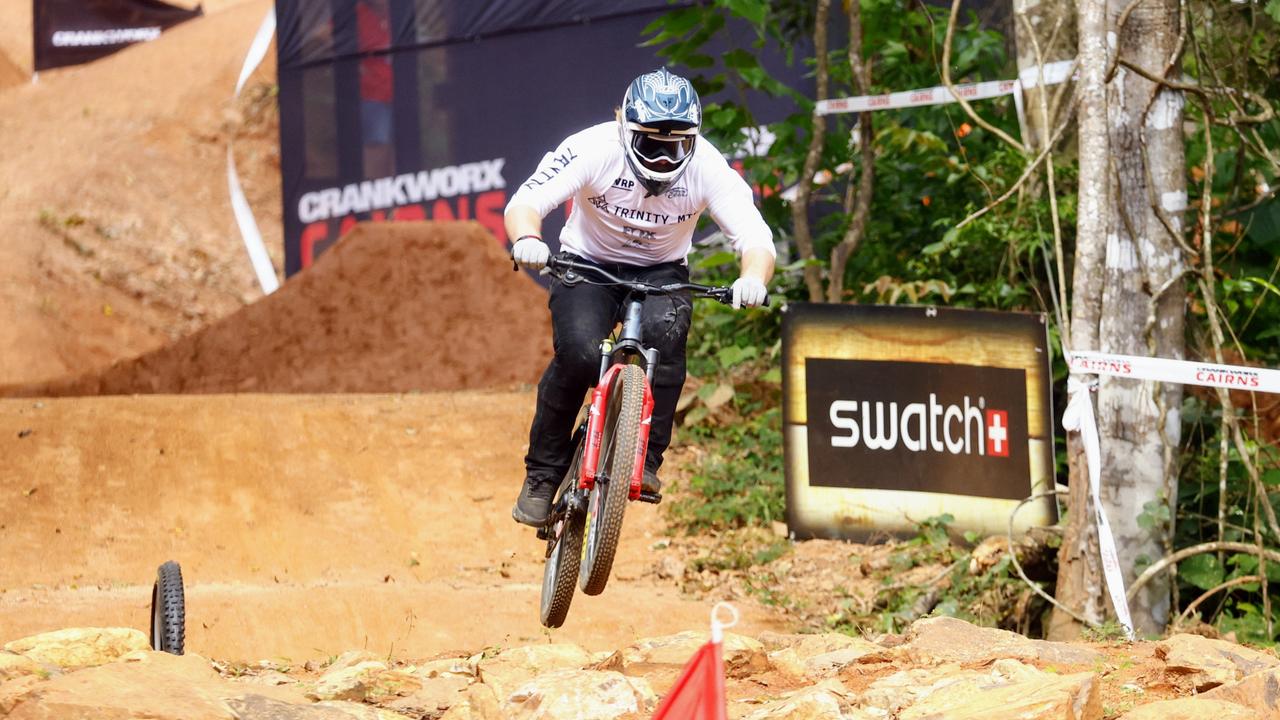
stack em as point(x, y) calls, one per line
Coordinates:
point(1186, 372)
point(1079, 417)
point(249, 232)
point(1053, 73)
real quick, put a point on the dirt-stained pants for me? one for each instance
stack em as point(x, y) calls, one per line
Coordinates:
point(582, 316)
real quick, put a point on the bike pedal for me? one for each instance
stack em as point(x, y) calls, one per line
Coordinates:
point(650, 497)
point(543, 533)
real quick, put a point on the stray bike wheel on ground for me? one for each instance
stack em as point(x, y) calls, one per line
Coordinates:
point(564, 549)
point(608, 500)
point(168, 610)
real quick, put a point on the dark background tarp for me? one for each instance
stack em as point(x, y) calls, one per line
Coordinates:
point(51, 17)
point(381, 88)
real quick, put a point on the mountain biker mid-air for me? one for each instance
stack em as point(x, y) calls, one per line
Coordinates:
point(638, 186)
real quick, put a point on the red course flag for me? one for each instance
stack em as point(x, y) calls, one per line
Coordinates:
point(699, 691)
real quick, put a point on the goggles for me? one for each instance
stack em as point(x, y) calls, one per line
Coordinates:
point(656, 148)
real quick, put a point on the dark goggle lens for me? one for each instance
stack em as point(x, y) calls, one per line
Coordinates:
point(672, 148)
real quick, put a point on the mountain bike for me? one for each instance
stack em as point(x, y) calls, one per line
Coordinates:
point(610, 441)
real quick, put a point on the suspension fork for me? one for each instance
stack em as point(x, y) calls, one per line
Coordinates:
point(595, 433)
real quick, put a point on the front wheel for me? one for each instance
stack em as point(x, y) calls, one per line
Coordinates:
point(608, 500)
point(564, 550)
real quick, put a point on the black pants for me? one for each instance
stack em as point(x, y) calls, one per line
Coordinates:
point(583, 315)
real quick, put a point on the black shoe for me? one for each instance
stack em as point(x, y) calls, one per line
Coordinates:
point(534, 503)
point(650, 482)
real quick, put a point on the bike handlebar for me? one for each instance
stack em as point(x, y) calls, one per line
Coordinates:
point(563, 269)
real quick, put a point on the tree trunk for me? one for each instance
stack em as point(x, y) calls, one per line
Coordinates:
point(860, 72)
point(804, 191)
point(1079, 572)
point(1044, 32)
point(1127, 296)
point(1143, 299)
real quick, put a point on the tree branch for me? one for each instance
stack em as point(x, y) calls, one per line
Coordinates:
point(800, 206)
point(1031, 168)
point(1187, 552)
point(946, 80)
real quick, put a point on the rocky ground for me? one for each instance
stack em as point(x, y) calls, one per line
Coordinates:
point(940, 668)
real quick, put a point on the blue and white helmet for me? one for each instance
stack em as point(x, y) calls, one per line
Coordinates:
point(660, 118)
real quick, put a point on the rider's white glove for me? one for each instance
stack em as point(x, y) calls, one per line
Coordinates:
point(530, 252)
point(749, 292)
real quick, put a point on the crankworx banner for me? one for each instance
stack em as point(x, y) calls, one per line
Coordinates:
point(70, 32)
point(438, 109)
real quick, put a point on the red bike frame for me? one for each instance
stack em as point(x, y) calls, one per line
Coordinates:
point(595, 433)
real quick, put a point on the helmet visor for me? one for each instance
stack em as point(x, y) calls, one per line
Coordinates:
point(662, 152)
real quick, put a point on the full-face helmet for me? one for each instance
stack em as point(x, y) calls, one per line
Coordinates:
point(659, 122)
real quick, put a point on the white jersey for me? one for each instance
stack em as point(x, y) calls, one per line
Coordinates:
point(612, 219)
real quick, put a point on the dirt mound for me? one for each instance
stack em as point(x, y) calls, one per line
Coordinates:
point(393, 307)
point(10, 73)
point(119, 236)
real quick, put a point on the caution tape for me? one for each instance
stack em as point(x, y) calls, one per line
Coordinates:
point(1053, 73)
point(249, 232)
point(1079, 417)
point(1185, 372)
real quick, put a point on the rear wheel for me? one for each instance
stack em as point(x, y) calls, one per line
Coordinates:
point(564, 552)
point(608, 500)
point(168, 610)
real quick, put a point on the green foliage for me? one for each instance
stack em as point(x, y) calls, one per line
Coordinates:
point(933, 168)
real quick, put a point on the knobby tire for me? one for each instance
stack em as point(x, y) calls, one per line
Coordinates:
point(608, 501)
point(168, 610)
point(560, 574)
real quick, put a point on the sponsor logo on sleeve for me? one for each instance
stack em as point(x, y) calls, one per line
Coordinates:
point(551, 166)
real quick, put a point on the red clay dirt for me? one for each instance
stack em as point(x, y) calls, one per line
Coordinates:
point(118, 232)
point(392, 307)
point(305, 525)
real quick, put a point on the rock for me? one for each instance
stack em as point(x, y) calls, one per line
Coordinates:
point(13, 665)
point(435, 695)
point(820, 702)
point(808, 644)
point(165, 687)
point(1192, 708)
point(358, 711)
point(1203, 663)
point(257, 707)
point(1052, 697)
point(351, 658)
point(820, 656)
point(947, 639)
point(1260, 691)
point(366, 680)
point(80, 647)
point(14, 691)
point(448, 666)
point(347, 683)
point(669, 568)
point(580, 695)
point(511, 668)
point(1010, 689)
point(478, 703)
point(268, 677)
point(987, 553)
point(677, 649)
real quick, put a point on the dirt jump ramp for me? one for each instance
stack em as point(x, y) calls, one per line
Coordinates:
point(392, 307)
